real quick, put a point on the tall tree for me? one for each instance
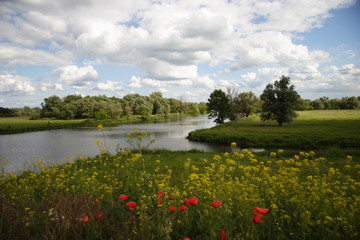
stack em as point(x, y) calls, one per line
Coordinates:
point(279, 101)
point(218, 106)
point(248, 103)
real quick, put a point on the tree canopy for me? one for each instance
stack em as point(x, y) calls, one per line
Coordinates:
point(218, 106)
point(279, 101)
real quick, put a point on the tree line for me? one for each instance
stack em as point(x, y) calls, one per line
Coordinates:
point(103, 107)
point(278, 102)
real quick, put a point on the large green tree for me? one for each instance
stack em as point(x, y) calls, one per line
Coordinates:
point(218, 106)
point(279, 101)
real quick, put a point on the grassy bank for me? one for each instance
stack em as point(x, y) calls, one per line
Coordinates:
point(9, 125)
point(141, 196)
point(311, 130)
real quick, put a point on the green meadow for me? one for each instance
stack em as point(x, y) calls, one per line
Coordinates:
point(311, 130)
point(24, 124)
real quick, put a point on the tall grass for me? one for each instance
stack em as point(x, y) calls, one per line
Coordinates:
point(308, 197)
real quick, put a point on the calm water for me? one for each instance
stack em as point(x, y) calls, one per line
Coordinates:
point(63, 144)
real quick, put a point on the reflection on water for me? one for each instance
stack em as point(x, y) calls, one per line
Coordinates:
point(66, 143)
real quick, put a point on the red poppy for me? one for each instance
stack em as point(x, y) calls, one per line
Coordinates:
point(256, 219)
point(191, 201)
point(99, 216)
point(182, 208)
point(86, 219)
point(171, 197)
point(160, 201)
point(123, 197)
point(160, 194)
point(216, 203)
point(186, 239)
point(172, 209)
point(96, 201)
point(261, 211)
point(223, 236)
point(131, 205)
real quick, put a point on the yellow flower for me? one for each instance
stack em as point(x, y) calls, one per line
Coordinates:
point(100, 127)
point(233, 145)
point(97, 142)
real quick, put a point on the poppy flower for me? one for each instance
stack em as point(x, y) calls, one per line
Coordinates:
point(191, 201)
point(123, 197)
point(182, 208)
point(223, 236)
point(186, 239)
point(131, 205)
point(99, 216)
point(96, 201)
point(86, 219)
point(172, 209)
point(216, 203)
point(261, 211)
point(171, 197)
point(160, 194)
point(160, 201)
point(256, 219)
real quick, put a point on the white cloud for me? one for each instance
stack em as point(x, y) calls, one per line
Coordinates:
point(109, 86)
point(13, 85)
point(168, 40)
point(2, 100)
point(51, 87)
point(11, 56)
point(77, 77)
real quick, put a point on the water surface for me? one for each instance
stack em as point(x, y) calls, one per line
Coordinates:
point(62, 144)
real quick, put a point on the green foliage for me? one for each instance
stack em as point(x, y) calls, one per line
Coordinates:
point(279, 101)
point(101, 115)
point(218, 106)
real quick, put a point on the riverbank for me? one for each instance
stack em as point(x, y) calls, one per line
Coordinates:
point(311, 130)
point(12, 125)
point(133, 195)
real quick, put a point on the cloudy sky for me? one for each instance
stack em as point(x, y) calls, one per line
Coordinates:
point(182, 48)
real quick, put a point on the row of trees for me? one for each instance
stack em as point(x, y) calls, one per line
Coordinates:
point(278, 102)
point(102, 107)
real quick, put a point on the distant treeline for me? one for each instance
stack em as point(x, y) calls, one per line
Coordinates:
point(102, 107)
point(324, 103)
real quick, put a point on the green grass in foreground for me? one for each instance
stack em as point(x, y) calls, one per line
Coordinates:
point(308, 196)
point(311, 130)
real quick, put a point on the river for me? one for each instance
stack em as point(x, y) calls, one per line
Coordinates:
point(69, 144)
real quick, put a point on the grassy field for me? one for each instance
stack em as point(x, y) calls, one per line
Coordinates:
point(311, 130)
point(23, 124)
point(9, 125)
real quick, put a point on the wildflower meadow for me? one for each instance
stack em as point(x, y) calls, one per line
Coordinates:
point(232, 195)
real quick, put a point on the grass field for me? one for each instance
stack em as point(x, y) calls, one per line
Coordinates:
point(311, 130)
point(23, 124)
point(9, 125)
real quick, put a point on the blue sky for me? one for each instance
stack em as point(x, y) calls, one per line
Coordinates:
point(184, 49)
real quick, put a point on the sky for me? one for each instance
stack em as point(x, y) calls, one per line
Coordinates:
point(184, 49)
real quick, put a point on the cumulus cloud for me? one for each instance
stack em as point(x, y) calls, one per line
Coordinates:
point(51, 87)
point(11, 56)
point(109, 86)
point(166, 40)
point(13, 85)
point(77, 77)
